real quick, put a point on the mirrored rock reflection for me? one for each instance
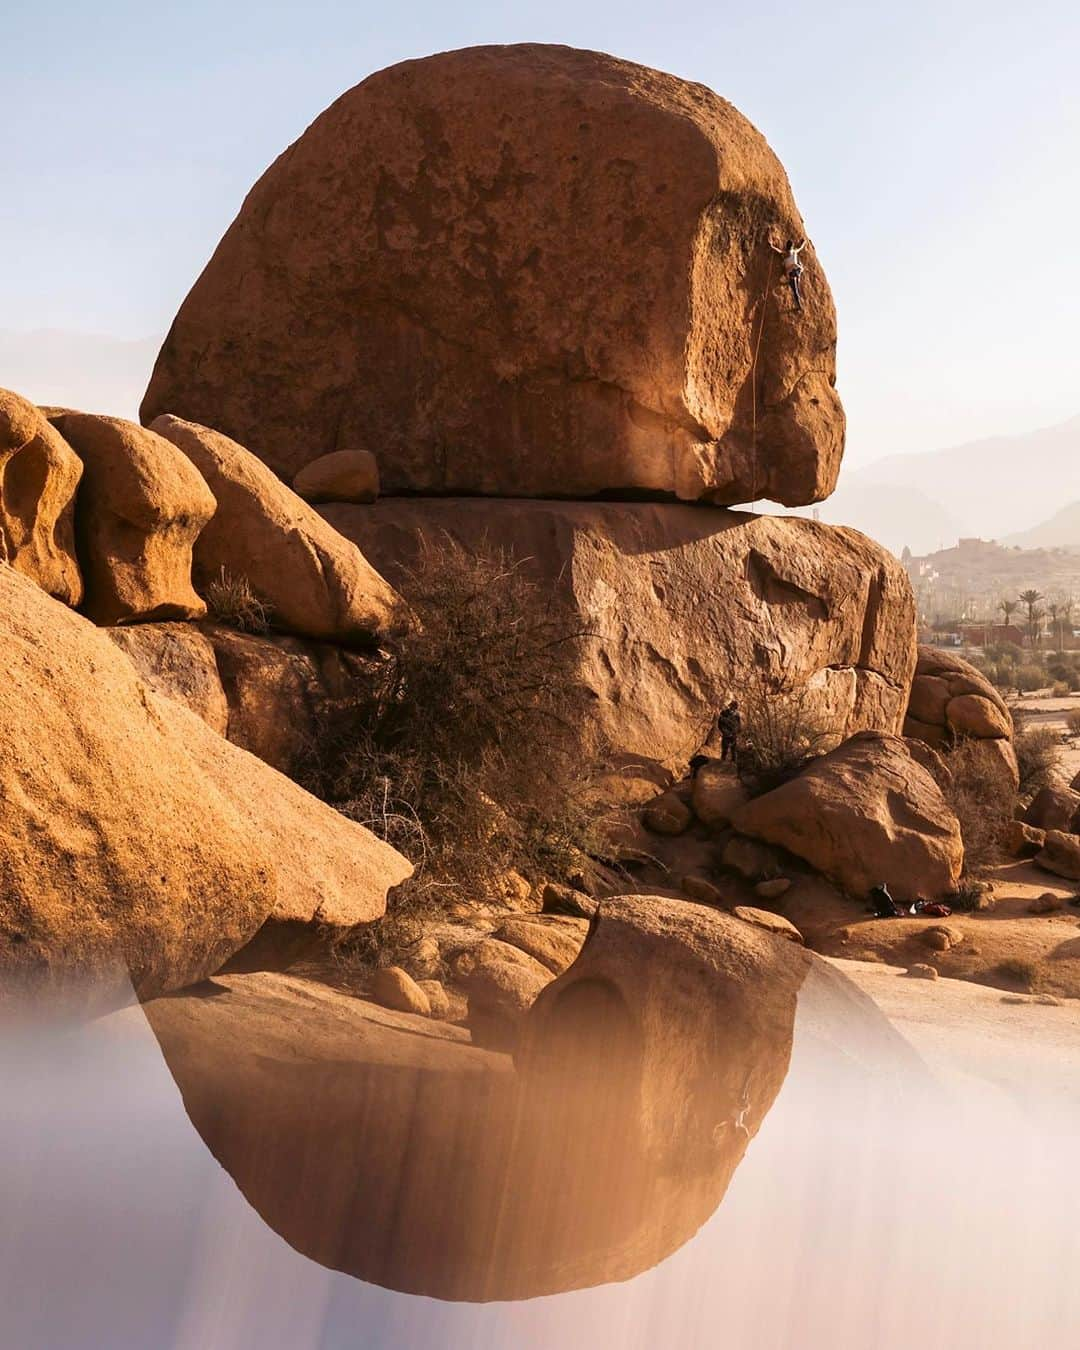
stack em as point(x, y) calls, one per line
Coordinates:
point(397, 1151)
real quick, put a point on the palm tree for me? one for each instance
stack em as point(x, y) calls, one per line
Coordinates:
point(1054, 610)
point(1031, 598)
point(1065, 610)
point(1008, 609)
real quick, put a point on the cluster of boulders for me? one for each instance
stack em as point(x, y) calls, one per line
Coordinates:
point(141, 848)
point(865, 813)
point(950, 701)
point(1049, 830)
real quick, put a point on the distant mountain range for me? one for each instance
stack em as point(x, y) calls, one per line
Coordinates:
point(79, 370)
point(1062, 530)
point(1009, 488)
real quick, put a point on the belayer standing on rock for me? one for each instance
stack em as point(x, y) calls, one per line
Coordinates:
point(729, 724)
point(793, 268)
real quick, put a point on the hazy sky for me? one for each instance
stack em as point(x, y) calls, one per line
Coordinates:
point(933, 148)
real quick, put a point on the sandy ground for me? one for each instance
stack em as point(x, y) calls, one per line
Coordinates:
point(970, 1034)
point(1041, 709)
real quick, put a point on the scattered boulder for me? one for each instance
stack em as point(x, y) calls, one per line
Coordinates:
point(701, 889)
point(1047, 903)
point(772, 923)
point(1060, 854)
point(921, 971)
point(142, 505)
point(751, 859)
point(520, 271)
point(717, 794)
point(438, 999)
point(341, 476)
point(558, 899)
point(141, 849)
point(1054, 808)
point(395, 988)
point(862, 814)
point(667, 814)
point(941, 939)
point(554, 943)
point(685, 607)
point(1022, 840)
point(315, 583)
point(774, 889)
point(501, 983)
point(39, 475)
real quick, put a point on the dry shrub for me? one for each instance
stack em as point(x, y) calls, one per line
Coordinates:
point(782, 730)
point(470, 752)
point(1072, 721)
point(231, 600)
point(1017, 970)
point(983, 800)
point(1038, 754)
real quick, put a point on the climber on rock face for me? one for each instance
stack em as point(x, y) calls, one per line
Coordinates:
point(793, 268)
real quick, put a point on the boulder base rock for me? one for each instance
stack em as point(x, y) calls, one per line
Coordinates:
point(684, 606)
point(863, 814)
point(39, 474)
point(1054, 808)
point(342, 476)
point(142, 505)
point(520, 270)
point(395, 988)
point(314, 583)
point(140, 848)
point(177, 660)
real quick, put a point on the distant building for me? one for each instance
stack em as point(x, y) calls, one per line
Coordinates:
point(991, 634)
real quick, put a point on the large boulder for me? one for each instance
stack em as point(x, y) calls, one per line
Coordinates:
point(422, 1163)
point(520, 270)
point(39, 475)
point(864, 813)
point(684, 607)
point(313, 582)
point(140, 848)
point(142, 505)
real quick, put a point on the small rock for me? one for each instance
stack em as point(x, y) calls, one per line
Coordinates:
point(341, 476)
point(774, 889)
point(558, 899)
point(1047, 903)
point(437, 997)
point(667, 814)
point(1023, 840)
point(1048, 1000)
point(921, 971)
point(717, 793)
point(750, 859)
point(395, 988)
point(554, 945)
point(941, 939)
point(772, 923)
point(701, 889)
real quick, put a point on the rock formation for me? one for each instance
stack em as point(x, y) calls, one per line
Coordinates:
point(142, 505)
point(141, 849)
point(863, 814)
point(312, 581)
point(39, 475)
point(685, 607)
point(950, 701)
point(520, 271)
point(646, 1069)
point(341, 476)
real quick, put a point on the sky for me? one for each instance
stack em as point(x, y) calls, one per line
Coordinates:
point(933, 150)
